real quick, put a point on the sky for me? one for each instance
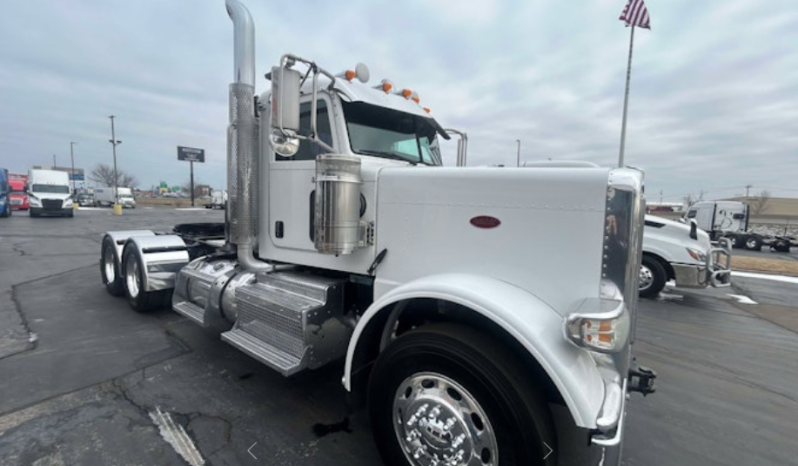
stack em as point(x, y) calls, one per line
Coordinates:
point(713, 104)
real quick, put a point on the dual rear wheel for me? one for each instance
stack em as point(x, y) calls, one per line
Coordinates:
point(126, 277)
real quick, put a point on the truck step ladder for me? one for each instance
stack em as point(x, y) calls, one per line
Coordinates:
point(290, 321)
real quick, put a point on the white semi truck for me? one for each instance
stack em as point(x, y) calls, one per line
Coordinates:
point(730, 219)
point(346, 239)
point(49, 193)
point(107, 196)
point(684, 254)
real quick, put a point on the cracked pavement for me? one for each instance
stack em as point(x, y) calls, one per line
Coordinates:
point(80, 373)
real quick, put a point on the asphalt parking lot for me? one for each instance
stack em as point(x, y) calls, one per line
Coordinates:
point(83, 378)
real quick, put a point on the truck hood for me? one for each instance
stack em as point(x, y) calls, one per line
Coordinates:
point(669, 239)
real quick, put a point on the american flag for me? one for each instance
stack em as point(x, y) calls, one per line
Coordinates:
point(636, 14)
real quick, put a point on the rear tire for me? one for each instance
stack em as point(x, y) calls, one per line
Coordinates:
point(476, 384)
point(109, 268)
point(752, 243)
point(652, 278)
point(133, 281)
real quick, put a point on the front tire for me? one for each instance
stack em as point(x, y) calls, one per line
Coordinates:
point(450, 390)
point(109, 268)
point(652, 278)
point(133, 280)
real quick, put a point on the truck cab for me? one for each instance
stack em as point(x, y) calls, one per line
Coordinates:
point(682, 253)
point(5, 201)
point(17, 195)
point(49, 193)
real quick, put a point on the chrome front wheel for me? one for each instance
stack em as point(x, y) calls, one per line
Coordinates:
point(449, 395)
point(438, 422)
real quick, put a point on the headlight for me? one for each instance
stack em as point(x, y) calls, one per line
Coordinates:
point(696, 254)
point(68, 202)
point(34, 201)
point(3, 201)
point(604, 332)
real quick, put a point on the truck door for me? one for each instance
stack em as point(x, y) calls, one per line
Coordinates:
point(291, 183)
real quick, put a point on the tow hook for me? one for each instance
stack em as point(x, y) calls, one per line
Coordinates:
point(641, 379)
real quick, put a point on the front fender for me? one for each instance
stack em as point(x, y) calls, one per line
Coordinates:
point(535, 325)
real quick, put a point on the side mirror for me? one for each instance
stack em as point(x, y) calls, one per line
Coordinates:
point(693, 229)
point(285, 111)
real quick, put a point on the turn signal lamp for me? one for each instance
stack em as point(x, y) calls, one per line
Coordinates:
point(603, 332)
point(385, 86)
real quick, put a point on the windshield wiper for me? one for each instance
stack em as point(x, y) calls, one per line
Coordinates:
point(387, 155)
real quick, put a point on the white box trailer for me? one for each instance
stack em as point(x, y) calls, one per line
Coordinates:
point(106, 196)
point(345, 239)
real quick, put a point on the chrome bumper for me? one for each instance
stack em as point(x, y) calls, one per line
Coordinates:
point(716, 270)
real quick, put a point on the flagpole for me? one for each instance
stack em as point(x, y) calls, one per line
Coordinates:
point(626, 96)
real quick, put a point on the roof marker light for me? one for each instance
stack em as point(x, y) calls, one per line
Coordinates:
point(414, 97)
point(427, 109)
point(406, 93)
point(385, 86)
point(361, 72)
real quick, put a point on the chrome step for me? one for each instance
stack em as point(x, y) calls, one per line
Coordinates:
point(291, 316)
point(278, 360)
point(186, 309)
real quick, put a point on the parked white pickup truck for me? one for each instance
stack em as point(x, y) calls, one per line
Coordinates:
point(683, 253)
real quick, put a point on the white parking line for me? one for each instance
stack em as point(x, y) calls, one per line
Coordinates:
point(763, 276)
point(743, 299)
point(176, 436)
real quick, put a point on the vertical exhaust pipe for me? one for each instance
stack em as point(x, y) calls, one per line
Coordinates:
point(243, 163)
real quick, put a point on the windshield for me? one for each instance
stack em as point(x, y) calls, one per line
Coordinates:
point(16, 186)
point(386, 133)
point(50, 188)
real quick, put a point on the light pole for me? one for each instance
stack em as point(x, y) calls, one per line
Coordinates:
point(114, 142)
point(519, 152)
point(54, 164)
point(72, 156)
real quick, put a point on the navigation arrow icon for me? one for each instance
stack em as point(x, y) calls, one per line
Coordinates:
point(253, 446)
point(550, 450)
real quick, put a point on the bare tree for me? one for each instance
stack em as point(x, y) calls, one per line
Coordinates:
point(104, 174)
point(759, 203)
point(691, 198)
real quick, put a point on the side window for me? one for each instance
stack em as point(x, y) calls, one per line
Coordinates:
point(692, 214)
point(308, 150)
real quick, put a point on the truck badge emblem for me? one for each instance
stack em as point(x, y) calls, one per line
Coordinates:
point(485, 221)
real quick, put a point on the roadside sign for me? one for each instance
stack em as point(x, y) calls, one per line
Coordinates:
point(190, 154)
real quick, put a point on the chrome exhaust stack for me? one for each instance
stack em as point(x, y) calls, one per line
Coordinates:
point(243, 154)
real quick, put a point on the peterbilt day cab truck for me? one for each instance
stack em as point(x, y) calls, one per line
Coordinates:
point(675, 251)
point(729, 219)
point(347, 240)
point(49, 193)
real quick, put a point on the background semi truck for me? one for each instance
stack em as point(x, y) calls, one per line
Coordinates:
point(5, 201)
point(106, 196)
point(49, 193)
point(730, 219)
point(345, 239)
point(18, 198)
point(682, 253)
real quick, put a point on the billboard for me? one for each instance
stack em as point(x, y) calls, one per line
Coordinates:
point(190, 154)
